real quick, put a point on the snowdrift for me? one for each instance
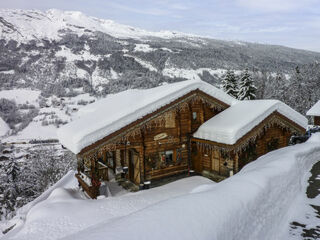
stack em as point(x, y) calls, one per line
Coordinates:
point(253, 204)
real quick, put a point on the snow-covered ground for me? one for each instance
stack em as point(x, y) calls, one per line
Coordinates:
point(21, 96)
point(256, 203)
point(4, 128)
point(63, 211)
point(44, 126)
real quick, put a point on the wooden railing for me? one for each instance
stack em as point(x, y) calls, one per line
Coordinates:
point(159, 173)
point(92, 191)
point(85, 180)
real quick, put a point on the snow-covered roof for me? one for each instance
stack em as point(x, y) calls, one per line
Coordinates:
point(4, 128)
point(315, 110)
point(230, 125)
point(116, 111)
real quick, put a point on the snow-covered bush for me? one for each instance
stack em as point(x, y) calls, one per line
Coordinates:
point(23, 181)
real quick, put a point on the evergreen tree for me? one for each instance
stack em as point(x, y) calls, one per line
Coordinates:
point(10, 190)
point(300, 92)
point(229, 84)
point(247, 89)
point(12, 170)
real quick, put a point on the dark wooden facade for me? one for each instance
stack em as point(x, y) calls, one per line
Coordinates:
point(161, 144)
point(271, 134)
point(153, 147)
point(316, 120)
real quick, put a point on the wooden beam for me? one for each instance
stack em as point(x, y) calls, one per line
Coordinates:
point(151, 116)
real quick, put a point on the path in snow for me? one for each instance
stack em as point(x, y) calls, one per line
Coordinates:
point(307, 225)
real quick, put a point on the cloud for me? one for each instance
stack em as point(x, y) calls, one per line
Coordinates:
point(144, 11)
point(276, 5)
point(178, 6)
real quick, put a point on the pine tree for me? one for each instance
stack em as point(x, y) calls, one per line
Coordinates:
point(229, 84)
point(12, 170)
point(11, 191)
point(300, 96)
point(247, 89)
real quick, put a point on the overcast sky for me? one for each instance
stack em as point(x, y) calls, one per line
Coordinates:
point(293, 23)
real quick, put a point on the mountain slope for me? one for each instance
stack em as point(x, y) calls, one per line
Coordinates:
point(89, 48)
point(59, 51)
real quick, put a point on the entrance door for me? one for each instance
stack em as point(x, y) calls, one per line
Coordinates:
point(196, 159)
point(216, 161)
point(134, 166)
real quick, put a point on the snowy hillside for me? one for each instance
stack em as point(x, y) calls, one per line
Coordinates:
point(256, 203)
point(58, 52)
point(4, 128)
point(53, 63)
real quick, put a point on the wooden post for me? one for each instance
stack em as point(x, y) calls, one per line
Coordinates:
point(178, 118)
point(190, 118)
point(142, 159)
point(236, 163)
point(94, 176)
point(202, 113)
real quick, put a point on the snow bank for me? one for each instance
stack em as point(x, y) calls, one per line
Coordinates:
point(116, 111)
point(253, 204)
point(315, 110)
point(4, 128)
point(65, 211)
point(230, 125)
point(22, 214)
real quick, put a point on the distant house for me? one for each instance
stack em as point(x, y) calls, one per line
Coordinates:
point(7, 151)
point(314, 112)
point(4, 157)
point(174, 128)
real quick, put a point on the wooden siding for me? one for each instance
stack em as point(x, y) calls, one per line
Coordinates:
point(162, 148)
point(195, 94)
point(316, 120)
point(226, 159)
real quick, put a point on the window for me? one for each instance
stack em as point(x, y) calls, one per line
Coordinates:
point(166, 158)
point(194, 116)
point(178, 156)
point(273, 144)
point(160, 160)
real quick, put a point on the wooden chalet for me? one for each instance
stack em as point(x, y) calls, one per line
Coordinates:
point(314, 112)
point(191, 125)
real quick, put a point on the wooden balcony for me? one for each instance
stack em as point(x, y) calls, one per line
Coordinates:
point(84, 180)
point(92, 191)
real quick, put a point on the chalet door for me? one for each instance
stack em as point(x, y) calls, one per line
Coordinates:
point(134, 166)
point(196, 159)
point(216, 161)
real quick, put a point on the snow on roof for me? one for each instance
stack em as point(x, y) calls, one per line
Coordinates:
point(230, 125)
point(315, 110)
point(110, 114)
point(4, 128)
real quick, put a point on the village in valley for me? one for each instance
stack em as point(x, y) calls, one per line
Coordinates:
point(113, 132)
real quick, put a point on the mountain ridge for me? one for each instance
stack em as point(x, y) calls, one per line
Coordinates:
point(58, 51)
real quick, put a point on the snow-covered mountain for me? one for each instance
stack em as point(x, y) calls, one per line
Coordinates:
point(37, 48)
point(63, 55)
point(26, 25)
